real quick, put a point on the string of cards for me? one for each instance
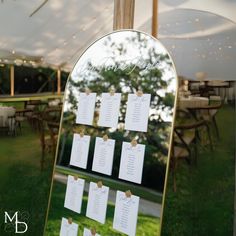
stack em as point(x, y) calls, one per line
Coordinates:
point(131, 164)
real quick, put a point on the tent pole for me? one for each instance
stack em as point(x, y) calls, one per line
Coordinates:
point(155, 18)
point(12, 79)
point(59, 81)
point(123, 14)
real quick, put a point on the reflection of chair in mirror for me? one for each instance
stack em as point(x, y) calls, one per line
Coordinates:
point(48, 126)
point(185, 140)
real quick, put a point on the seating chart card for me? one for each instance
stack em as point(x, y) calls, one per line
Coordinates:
point(103, 155)
point(109, 111)
point(131, 164)
point(74, 193)
point(137, 112)
point(126, 213)
point(97, 202)
point(86, 108)
point(68, 228)
point(80, 149)
point(88, 232)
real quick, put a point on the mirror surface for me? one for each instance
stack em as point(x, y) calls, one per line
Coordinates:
point(135, 69)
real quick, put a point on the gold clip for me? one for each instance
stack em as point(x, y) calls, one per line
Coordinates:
point(70, 220)
point(76, 177)
point(81, 133)
point(128, 193)
point(93, 231)
point(112, 91)
point(87, 91)
point(139, 93)
point(105, 137)
point(134, 143)
point(99, 184)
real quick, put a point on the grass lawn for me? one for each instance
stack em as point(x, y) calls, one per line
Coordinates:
point(23, 187)
point(146, 225)
point(204, 201)
point(122, 186)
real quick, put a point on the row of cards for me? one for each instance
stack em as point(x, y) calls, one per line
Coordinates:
point(137, 111)
point(126, 206)
point(71, 229)
point(132, 157)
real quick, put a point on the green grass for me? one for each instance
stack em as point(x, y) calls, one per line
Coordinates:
point(146, 225)
point(23, 187)
point(122, 186)
point(17, 105)
point(204, 201)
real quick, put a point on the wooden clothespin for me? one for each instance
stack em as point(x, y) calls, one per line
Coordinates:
point(93, 231)
point(99, 184)
point(139, 93)
point(105, 137)
point(112, 90)
point(134, 143)
point(87, 91)
point(81, 133)
point(76, 177)
point(128, 193)
point(70, 221)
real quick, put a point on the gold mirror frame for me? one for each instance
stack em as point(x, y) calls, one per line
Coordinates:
point(172, 125)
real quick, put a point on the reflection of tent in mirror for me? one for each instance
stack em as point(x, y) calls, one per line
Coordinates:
point(126, 62)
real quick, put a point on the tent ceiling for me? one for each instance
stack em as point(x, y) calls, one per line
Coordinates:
point(201, 35)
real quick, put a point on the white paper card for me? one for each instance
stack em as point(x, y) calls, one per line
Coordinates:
point(109, 111)
point(137, 112)
point(68, 229)
point(74, 194)
point(97, 202)
point(79, 152)
point(103, 156)
point(87, 232)
point(126, 213)
point(131, 164)
point(86, 108)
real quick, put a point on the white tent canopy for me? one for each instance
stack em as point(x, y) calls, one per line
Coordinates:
point(200, 35)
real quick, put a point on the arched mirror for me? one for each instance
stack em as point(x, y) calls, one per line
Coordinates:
point(114, 139)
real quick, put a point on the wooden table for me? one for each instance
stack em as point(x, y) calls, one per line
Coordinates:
point(192, 102)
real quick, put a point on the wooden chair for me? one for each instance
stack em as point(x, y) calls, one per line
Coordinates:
point(48, 126)
point(209, 115)
point(185, 141)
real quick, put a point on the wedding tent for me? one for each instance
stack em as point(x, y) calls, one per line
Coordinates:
point(200, 35)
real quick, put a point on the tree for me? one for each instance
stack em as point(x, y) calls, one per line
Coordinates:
point(150, 69)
